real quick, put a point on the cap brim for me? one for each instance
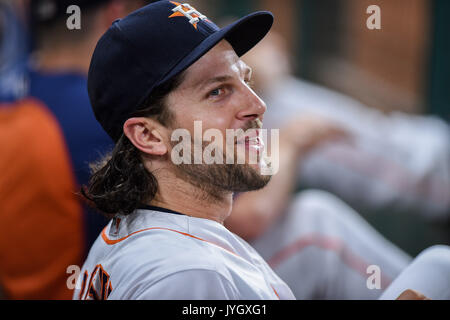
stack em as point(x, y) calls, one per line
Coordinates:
point(243, 35)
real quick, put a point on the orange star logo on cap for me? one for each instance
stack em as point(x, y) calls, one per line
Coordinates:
point(186, 10)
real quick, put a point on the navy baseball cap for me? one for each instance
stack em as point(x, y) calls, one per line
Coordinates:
point(152, 45)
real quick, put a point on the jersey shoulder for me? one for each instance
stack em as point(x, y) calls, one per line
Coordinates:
point(146, 258)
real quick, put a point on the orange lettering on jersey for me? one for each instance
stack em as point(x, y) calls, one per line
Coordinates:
point(83, 285)
point(99, 287)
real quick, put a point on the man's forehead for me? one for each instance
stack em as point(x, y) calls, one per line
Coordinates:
point(219, 61)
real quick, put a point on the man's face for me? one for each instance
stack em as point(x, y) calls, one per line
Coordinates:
point(215, 91)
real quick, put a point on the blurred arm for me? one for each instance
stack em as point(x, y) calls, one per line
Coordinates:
point(405, 167)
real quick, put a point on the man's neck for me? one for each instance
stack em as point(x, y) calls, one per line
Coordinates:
point(178, 195)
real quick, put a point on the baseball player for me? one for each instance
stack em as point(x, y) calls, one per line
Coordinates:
point(159, 69)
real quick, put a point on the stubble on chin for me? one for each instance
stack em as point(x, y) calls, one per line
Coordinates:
point(216, 181)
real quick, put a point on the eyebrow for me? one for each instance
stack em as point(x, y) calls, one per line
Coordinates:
point(218, 79)
point(223, 78)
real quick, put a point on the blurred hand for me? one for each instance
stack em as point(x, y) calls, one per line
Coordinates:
point(307, 132)
point(412, 295)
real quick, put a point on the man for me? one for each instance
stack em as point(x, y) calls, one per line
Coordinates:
point(167, 239)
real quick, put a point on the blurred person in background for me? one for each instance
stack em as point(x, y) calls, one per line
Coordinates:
point(45, 226)
point(319, 245)
point(316, 243)
point(13, 49)
point(41, 231)
point(395, 161)
point(58, 77)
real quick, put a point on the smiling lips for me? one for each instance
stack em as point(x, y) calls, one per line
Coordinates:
point(252, 141)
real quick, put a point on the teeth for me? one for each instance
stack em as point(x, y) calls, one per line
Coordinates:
point(259, 123)
point(256, 141)
point(253, 141)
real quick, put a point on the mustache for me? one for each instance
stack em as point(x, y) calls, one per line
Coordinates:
point(253, 124)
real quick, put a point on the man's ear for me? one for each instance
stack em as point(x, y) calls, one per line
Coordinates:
point(144, 134)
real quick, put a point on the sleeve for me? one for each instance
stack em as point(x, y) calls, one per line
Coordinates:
point(193, 284)
point(380, 175)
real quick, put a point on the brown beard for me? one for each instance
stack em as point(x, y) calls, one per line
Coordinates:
point(217, 180)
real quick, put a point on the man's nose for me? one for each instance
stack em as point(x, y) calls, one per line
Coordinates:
point(252, 107)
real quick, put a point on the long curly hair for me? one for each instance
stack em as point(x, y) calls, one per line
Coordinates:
point(120, 183)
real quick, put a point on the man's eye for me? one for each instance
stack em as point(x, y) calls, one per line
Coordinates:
point(216, 92)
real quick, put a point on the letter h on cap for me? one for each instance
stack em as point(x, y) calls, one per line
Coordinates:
point(189, 12)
